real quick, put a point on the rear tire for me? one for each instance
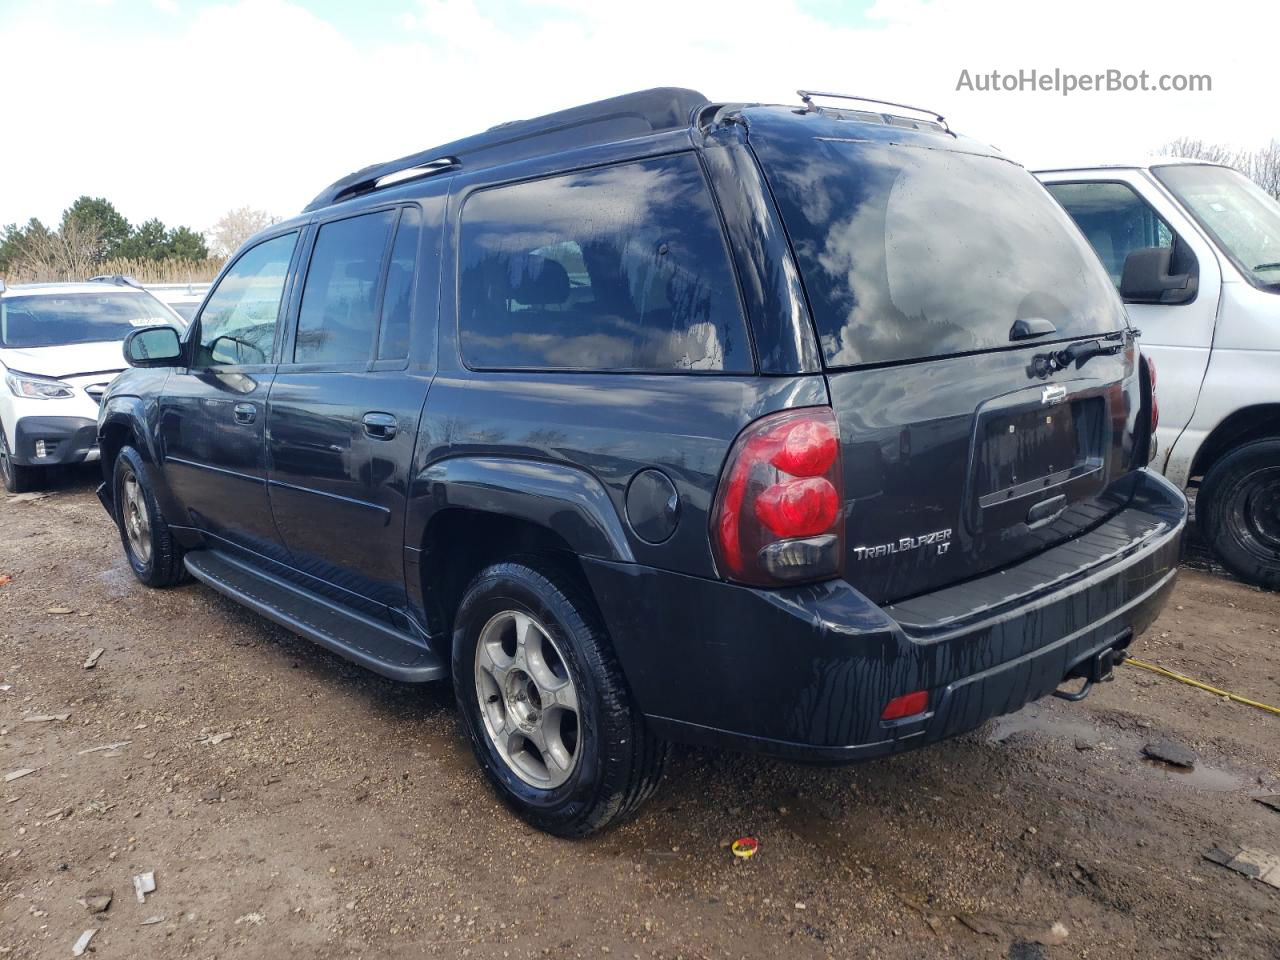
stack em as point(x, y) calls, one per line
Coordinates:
point(18, 478)
point(1238, 511)
point(153, 555)
point(557, 734)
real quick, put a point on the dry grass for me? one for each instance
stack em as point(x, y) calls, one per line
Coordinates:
point(144, 271)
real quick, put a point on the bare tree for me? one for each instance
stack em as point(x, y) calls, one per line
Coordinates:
point(237, 226)
point(1266, 168)
point(71, 253)
point(1262, 166)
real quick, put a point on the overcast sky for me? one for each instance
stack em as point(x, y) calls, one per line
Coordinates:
point(181, 109)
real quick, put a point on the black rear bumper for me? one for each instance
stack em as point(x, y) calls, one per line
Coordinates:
point(806, 672)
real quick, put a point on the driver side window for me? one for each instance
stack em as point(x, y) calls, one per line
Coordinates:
point(238, 323)
point(1114, 219)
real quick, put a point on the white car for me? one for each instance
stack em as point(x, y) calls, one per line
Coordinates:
point(60, 345)
point(1194, 249)
point(183, 298)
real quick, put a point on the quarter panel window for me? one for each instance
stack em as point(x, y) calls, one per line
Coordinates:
point(620, 268)
point(1114, 219)
point(238, 323)
point(339, 311)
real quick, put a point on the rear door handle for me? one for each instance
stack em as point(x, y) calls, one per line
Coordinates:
point(379, 426)
point(245, 412)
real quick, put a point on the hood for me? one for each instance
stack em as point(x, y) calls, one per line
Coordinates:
point(68, 360)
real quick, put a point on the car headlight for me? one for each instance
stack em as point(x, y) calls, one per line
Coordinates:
point(38, 388)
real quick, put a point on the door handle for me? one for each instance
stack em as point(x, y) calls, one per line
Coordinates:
point(245, 412)
point(379, 426)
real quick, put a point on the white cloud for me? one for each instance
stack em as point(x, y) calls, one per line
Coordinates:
point(263, 102)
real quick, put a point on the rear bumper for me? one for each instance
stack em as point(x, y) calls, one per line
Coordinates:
point(66, 440)
point(805, 672)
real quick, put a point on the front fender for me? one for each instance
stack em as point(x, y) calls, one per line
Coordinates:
point(566, 500)
point(131, 415)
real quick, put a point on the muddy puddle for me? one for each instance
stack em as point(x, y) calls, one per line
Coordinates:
point(1087, 736)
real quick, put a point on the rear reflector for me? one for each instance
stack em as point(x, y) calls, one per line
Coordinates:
point(907, 705)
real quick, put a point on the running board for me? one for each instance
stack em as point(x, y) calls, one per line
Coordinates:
point(376, 646)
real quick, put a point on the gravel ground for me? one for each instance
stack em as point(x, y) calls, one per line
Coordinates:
point(287, 801)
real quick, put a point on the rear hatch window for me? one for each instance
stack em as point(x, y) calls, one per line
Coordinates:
point(909, 252)
point(958, 459)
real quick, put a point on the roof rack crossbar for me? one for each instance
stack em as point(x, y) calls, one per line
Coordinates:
point(807, 97)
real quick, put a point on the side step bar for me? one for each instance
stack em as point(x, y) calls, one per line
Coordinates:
point(376, 646)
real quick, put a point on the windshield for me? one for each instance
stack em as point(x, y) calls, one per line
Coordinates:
point(54, 320)
point(1240, 216)
point(909, 252)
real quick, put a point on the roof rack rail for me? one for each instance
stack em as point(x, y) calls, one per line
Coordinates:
point(617, 118)
point(119, 279)
point(807, 97)
point(376, 180)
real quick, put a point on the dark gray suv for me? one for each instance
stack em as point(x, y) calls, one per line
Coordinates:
point(811, 430)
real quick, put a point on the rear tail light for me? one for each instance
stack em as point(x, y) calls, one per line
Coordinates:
point(778, 509)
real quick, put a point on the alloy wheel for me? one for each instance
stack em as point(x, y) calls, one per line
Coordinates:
point(134, 516)
point(6, 466)
point(527, 699)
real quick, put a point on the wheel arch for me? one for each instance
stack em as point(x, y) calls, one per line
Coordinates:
point(122, 422)
point(479, 510)
point(1256, 422)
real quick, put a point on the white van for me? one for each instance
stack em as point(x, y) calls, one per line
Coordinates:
point(1194, 249)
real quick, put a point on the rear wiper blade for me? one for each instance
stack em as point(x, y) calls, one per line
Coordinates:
point(1079, 353)
point(1083, 351)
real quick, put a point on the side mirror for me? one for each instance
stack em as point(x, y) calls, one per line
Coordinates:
point(153, 347)
point(1146, 278)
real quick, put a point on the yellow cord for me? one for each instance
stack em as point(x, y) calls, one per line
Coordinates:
point(1203, 686)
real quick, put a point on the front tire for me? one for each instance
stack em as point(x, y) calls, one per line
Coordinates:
point(544, 703)
point(153, 555)
point(1238, 510)
point(17, 478)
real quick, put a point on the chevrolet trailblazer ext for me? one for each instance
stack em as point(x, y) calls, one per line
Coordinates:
point(812, 431)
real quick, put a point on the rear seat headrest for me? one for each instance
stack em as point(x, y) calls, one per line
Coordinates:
point(537, 281)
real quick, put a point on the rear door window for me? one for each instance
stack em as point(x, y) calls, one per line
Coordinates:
point(339, 313)
point(619, 268)
point(909, 253)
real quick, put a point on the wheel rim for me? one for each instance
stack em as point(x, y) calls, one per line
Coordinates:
point(134, 517)
point(527, 699)
point(6, 468)
point(1261, 508)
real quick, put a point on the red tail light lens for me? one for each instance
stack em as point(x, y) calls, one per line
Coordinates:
point(777, 513)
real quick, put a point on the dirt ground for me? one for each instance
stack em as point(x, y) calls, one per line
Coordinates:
point(290, 802)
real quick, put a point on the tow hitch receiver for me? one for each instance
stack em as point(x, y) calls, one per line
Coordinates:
point(1096, 668)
